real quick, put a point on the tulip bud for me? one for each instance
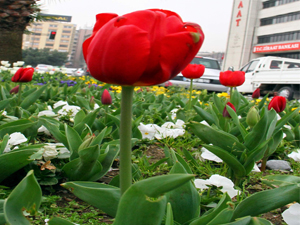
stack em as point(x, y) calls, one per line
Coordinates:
point(15, 90)
point(225, 112)
point(252, 117)
point(256, 93)
point(278, 103)
point(106, 98)
point(92, 102)
point(86, 143)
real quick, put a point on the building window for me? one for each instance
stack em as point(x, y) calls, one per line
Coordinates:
point(65, 41)
point(65, 36)
point(63, 46)
point(280, 19)
point(288, 36)
point(49, 45)
point(52, 25)
point(37, 34)
point(67, 26)
point(273, 3)
point(35, 39)
point(66, 31)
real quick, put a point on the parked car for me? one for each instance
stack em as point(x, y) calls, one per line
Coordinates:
point(272, 74)
point(43, 68)
point(79, 72)
point(69, 71)
point(209, 80)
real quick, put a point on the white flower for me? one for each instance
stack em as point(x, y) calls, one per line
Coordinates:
point(278, 116)
point(292, 215)
point(59, 103)
point(206, 154)
point(204, 123)
point(255, 168)
point(20, 63)
point(148, 131)
point(15, 138)
point(44, 130)
point(41, 72)
point(173, 113)
point(50, 152)
point(51, 72)
point(287, 126)
point(4, 62)
point(69, 109)
point(4, 113)
point(96, 106)
point(46, 113)
point(295, 155)
point(219, 181)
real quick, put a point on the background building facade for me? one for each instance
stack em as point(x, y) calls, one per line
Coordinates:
point(262, 28)
point(39, 36)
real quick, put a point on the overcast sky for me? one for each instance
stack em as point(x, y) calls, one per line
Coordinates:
point(212, 15)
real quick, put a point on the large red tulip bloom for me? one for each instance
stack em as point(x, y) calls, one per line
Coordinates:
point(141, 48)
point(278, 103)
point(23, 75)
point(193, 71)
point(232, 78)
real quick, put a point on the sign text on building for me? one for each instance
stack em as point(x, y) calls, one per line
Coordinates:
point(51, 17)
point(277, 47)
point(239, 14)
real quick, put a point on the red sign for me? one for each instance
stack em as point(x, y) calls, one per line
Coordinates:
point(239, 14)
point(277, 47)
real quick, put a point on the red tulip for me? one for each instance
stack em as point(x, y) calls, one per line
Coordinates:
point(23, 75)
point(225, 111)
point(256, 93)
point(232, 78)
point(193, 71)
point(278, 103)
point(141, 48)
point(15, 90)
point(106, 98)
point(168, 84)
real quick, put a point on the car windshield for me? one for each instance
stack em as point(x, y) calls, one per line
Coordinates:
point(208, 63)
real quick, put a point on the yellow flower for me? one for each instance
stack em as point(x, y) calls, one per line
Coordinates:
point(223, 94)
point(294, 109)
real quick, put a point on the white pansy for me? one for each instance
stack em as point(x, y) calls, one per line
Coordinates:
point(44, 130)
point(278, 116)
point(13, 71)
point(287, 126)
point(4, 113)
point(28, 66)
point(20, 63)
point(49, 67)
point(255, 168)
point(41, 72)
point(49, 113)
point(51, 72)
point(3, 68)
point(15, 64)
point(173, 113)
point(295, 155)
point(70, 110)
point(15, 138)
point(204, 123)
point(219, 181)
point(4, 62)
point(292, 215)
point(59, 103)
point(50, 152)
point(96, 106)
point(148, 131)
point(180, 124)
point(206, 154)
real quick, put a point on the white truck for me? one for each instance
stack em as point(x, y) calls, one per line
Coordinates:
point(272, 74)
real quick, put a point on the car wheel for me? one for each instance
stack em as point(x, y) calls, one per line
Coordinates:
point(286, 92)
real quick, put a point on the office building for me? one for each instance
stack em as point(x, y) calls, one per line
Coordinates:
point(262, 28)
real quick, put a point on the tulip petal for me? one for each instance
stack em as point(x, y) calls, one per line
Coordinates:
point(26, 75)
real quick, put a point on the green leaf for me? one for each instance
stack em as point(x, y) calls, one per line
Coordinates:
point(4, 103)
point(148, 195)
point(85, 166)
point(74, 141)
point(88, 120)
point(229, 159)
point(218, 103)
point(15, 126)
point(102, 196)
point(13, 161)
point(265, 201)
point(4, 143)
point(280, 180)
point(205, 219)
point(223, 217)
point(83, 102)
point(169, 216)
point(27, 195)
point(285, 119)
point(206, 116)
point(185, 200)
point(216, 137)
point(30, 99)
point(236, 121)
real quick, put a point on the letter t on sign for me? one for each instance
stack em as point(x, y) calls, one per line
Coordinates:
point(238, 22)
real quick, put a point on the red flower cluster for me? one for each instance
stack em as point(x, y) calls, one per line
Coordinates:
point(23, 75)
point(193, 71)
point(232, 78)
point(278, 103)
point(141, 48)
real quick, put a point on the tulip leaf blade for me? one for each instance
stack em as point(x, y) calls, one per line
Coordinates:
point(236, 121)
point(15, 126)
point(59, 221)
point(229, 159)
point(4, 103)
point(265, 201)
point(21, 198)
point(30, 99)
point(102, 196)
point(74, 141)
point(206, 116)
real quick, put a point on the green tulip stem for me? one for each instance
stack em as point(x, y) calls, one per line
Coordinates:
point(190, 97)
point(125, 138)
point(19, 93)
point(231, 92)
